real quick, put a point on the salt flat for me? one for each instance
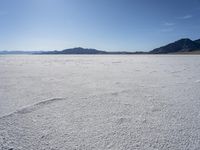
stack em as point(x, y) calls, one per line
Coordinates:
point(99, 102)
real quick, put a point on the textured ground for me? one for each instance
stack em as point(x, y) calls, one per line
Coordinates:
point(100, 102)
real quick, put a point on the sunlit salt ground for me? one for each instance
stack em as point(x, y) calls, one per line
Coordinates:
point(99, 102)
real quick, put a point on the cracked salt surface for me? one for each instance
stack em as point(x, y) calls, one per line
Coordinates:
point(99, 102)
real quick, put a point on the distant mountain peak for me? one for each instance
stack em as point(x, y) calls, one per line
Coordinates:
point(182, 45)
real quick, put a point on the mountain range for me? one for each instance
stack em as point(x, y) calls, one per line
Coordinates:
point(181, 46)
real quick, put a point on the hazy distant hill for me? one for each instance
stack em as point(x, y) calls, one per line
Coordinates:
point(182, 45)
point(80, 50)
point(77, 50)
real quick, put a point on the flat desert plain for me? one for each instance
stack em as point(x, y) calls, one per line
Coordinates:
point(86, 102)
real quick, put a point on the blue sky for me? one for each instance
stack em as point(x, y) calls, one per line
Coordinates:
point(131, 25)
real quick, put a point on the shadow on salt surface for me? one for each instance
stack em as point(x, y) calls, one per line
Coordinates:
point(34, 107)
point(37, 106)
point(197, 81)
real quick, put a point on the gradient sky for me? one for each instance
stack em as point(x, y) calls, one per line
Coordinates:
point(131, 25)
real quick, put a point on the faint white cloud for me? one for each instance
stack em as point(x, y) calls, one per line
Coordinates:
point(169, 24)
point(186, 17)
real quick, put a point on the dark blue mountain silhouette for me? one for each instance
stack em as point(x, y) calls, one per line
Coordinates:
point(182, 45)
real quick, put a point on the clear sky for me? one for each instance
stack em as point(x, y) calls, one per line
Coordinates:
point(131, 25)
